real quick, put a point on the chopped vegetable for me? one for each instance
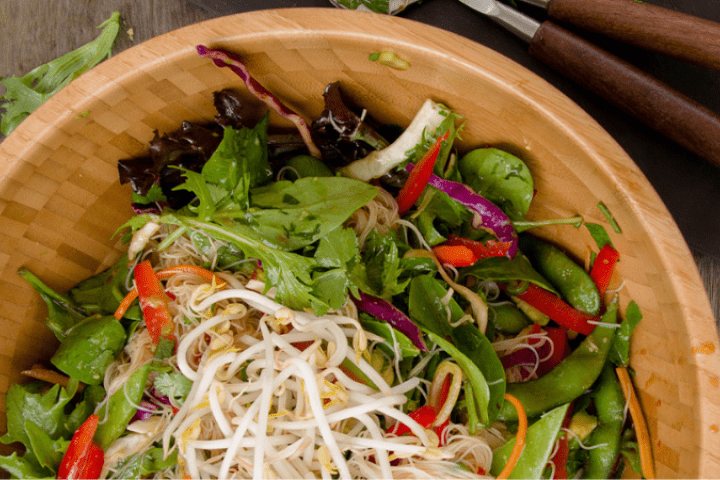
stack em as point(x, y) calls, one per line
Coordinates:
point(602, 268)
point(519, 445)
point(226, 59)
point(641, 429)
point(154, 303)
point(388, 312)
point(419, 176)
point(559, 311)
point(379, 162)
point(486, 215)
point(83, 458)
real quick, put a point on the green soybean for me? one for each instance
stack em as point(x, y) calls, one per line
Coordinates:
point(605, 439)
point(571, 280)
point(508, 318)
point(570, 378)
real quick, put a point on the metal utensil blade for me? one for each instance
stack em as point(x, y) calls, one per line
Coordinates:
point(518, 23)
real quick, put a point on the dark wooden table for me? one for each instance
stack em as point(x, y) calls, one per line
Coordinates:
point(33, 32)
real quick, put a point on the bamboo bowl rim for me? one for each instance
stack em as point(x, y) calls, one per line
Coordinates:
point(297, 27)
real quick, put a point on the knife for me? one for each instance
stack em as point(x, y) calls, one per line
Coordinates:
point(674, 115)
point(650, 27)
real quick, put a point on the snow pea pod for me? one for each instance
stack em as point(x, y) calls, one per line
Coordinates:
point(605, 438)
point(120, 408)
point(570, 378)
point(574, 283)
point(539, 444)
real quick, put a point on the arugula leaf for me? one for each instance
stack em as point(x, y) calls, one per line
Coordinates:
point(290, 272)
point(48, 452)
point(25, 466)
point(239, 163)
point(25, 94)
point(173, 385)
point(292, 215)
point(45, 409)
point(381, 257)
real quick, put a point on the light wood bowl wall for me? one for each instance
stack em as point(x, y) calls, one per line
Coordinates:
point(60, 200)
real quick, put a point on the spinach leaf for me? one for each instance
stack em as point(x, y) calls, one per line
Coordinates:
point(427, 309)
point(500, 177)
point(599, 234)
point(89, 347)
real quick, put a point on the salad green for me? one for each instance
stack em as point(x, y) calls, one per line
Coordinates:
point(274, 317)
point(25, 94)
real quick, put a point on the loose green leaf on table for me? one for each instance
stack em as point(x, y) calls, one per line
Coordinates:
point(25, 94)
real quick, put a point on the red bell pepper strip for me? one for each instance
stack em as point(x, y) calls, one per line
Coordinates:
point(154, 303)
point(455, 255)
point(83, 458)
point(558, 310)
point(602, 268)
point(560, 458)
point(418, 179)
point(492, 248)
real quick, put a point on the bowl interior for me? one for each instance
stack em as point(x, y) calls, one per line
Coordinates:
point(61, 203)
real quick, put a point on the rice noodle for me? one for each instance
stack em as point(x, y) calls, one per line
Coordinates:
point(270, 396)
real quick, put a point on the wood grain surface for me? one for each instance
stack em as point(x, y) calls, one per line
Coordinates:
point(34, 32)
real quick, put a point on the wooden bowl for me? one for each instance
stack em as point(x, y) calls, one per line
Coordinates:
point(61, 201)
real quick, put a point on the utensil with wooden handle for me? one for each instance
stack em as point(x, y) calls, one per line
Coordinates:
point(674, 115)
point(651, 27)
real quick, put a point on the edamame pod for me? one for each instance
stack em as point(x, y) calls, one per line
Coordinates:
point(508, 318)
point(571, 280)
point(605, 439)
point(570, 378)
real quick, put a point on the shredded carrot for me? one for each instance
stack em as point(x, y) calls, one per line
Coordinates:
point(166, 273)
point(519, 438)
point(641, 429)
point(125, 304)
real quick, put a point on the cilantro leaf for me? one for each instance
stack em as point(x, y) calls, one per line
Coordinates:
point(173, 385)
point(25, 94)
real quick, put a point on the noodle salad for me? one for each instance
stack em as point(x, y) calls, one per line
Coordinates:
point(350, 300)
